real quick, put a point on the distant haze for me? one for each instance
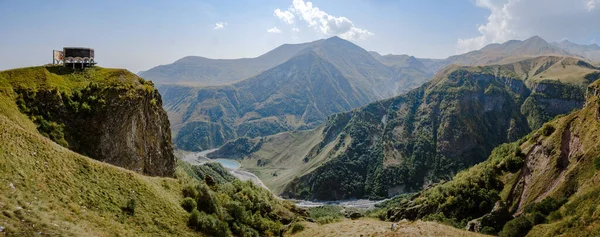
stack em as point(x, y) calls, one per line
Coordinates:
point(138, 35)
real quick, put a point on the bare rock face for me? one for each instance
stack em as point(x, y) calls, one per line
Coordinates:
point(134, 134)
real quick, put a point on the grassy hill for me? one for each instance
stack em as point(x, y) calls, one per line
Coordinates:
point(47, 189)
point(401, 144)
point(110, 115)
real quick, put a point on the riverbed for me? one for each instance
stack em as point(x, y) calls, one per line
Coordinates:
point(198, 158)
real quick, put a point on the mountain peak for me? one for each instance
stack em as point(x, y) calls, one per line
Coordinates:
point(535, 39)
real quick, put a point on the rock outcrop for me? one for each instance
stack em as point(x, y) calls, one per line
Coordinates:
point(110, 115)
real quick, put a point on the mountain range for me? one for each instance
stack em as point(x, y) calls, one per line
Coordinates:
point(327, 77)
point(404, 143)
point(297, 86)
point(505, 143)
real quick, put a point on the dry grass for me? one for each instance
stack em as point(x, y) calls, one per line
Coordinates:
point(48, 189)
point(371, 227)
point(284, 153)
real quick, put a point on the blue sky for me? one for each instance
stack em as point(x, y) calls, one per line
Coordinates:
point(138, 35)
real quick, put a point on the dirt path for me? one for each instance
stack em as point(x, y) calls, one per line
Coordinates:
point(197, 158)
point(245, 175)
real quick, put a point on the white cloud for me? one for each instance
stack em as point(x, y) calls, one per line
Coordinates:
point(591, 4)
point(274, 30)
point(285, 16)
point(295, 29)
point(219, 25)
point(322, 21)
point(519, 19)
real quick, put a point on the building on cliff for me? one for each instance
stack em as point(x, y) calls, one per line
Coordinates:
point(74, 57)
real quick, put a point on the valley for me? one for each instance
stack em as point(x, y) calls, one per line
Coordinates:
point(488, 94)
point(312, 136)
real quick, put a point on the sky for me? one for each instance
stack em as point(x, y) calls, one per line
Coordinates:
point(140, 34)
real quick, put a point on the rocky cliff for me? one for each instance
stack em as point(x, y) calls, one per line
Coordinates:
point(107, 114)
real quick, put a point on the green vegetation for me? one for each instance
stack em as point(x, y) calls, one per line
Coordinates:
point(328, 77)
point(51, 190)
point(81, 109)
point(296, 227)
point(326, 214)
point(212, 170)
point(129, 208)
point(547, 130)
point(517, 227)
point(597, 163)
point(65, 96)
point(189, 204)
point(559, 197)
point(449, 124)
point(46, 188)
point(471, 194)
point(236, 207)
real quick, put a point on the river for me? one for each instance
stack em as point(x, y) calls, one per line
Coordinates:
point(198, 158)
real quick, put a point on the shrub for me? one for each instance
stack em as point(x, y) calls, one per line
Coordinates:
point(597, 163)
point(129, 207)
point(537, 218)
point(517, 227)
point(296, 227)
point(206, 200)
point(326, 214)
point(488, 230)
point(85, 108)
point(193, 220)
point(153, 102)
point(189, 204)
point(546, 206)
point(190, 191)
point(547, 130)
point(514, 164)
point(208, 224)
point(554, 216)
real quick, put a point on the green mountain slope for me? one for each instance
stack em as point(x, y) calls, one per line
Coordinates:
point(547, 180)
point(111, 115)
point(448, 124)
point(328, 77)
point(47, 189)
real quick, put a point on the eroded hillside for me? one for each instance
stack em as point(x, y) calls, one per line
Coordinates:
point(546, 180)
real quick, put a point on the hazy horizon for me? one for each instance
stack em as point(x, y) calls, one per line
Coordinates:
point(138, 35)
